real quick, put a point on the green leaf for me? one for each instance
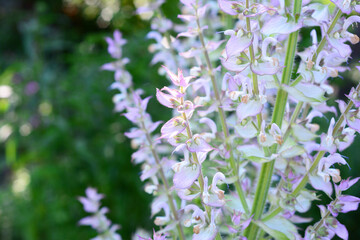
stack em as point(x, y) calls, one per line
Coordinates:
point(292, 152)
point(290, 149)
point(303, 201)
point(283, 226)
point(306, 92)
point(302, 134)
point(254, 153)
point(272, 232)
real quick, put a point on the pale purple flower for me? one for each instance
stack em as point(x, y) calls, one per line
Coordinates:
point(179, 79)
point(326, 172)
point(347, 6)
point(186, 174)
point(346, 184)
point(109, 235)
point(190, 3)
point(171, 99)
point(248, 109)
point(337, 39)
point(235, 63)
point(98, 220)
point(197, 217)
point(266, 65)
point(319, 183)
point(198, 144)
point(231, 7)
point(156, 236)
point(209, 232)
point(239, 224)
point(115, 45)
point(338, 228)
point(212, 195)
point(257, 9)
point(354, 97)
point(91, 202)
point(162, 220)
point(328, 141)
point(238, 42)
point(257, 49)
point(173, 127)
point(344, 204)
point(280, 25)
point(191, 32)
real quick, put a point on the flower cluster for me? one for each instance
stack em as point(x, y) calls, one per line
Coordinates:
point(234, 160)
point(98, 220)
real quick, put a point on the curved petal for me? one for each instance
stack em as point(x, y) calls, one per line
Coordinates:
point(208, 233)
point(237, 44)
point(279, 25)
point(232, 64)
point(265, 68)
point(318, 183)
point(248, 109)
point(186, 176)
point(228, 6)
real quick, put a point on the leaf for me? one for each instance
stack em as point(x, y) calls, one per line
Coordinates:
point(302, 134)
point(254, 153)
point(306, 92)
point(233, 203)
point(272, 232)
point(247, 131)
point(303, 201)
point(291, 149)
point(282, 225)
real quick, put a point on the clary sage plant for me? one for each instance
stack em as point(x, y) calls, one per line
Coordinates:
point(241, 157)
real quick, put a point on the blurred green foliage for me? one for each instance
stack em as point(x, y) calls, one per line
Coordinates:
point(64, 134)
point(58, 132)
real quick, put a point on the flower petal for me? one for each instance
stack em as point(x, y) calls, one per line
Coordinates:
point(248, 109)
point(186, 176)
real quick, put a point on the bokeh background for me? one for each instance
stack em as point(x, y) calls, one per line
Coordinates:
point(58, 131)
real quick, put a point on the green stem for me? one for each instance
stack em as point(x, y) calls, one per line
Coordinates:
point(272, 214)
point(267, 169)
point(294, 116)
point(318, 225)
point(305, 112)
point(196, 160)
point(166, 184)
point(218, 236)
point(252, 59)
point(162, 177)
point(224, 126)
point(193, 155)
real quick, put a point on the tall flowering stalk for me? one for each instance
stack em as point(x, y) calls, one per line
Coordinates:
point(235, 159)
point(98, 221)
